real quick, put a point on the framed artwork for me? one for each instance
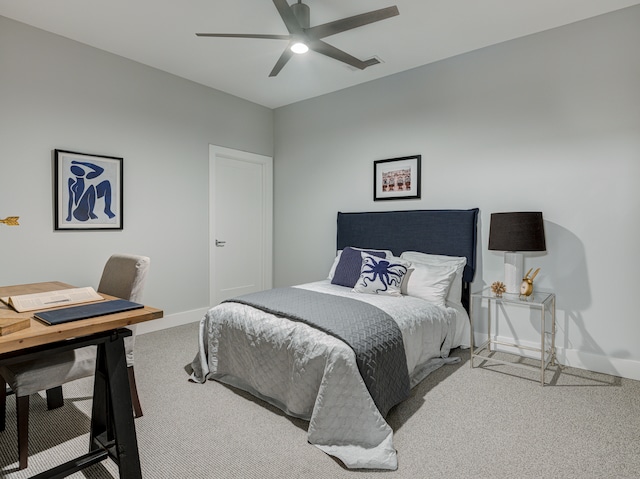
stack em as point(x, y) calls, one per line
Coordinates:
point(88, 191)
point(397, 178)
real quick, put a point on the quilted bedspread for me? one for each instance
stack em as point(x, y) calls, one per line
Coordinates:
point(373, 335)
point(313, 375)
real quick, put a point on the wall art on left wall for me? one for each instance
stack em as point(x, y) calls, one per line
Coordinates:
point(88, 191)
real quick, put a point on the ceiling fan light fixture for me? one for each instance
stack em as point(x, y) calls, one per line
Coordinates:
point(299, 48)
point(302, 37)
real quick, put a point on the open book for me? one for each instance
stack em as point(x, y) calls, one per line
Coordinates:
point(52, 299)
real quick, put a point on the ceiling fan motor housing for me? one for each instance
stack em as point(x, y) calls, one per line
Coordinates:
point(301, 11)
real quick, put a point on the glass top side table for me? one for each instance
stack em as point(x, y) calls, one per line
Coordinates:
point(539, 300)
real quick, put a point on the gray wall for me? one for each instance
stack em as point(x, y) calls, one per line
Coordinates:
point(550, 123)
point(57, 93)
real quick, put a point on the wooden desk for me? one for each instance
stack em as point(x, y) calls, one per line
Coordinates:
point(113, 431)
point(39, 333)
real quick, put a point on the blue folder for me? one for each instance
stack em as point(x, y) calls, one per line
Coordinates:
point(74, 313)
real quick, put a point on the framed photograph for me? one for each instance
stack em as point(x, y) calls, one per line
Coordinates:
point(88, 191)
point(397, 178)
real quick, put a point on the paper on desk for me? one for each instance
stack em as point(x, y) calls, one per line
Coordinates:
point(52, 299)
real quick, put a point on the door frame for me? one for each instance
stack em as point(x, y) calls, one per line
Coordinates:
point(267, 211)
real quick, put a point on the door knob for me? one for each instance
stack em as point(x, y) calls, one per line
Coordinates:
point(220, 244)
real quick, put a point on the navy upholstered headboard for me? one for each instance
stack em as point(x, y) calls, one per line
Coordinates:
point(447, 232)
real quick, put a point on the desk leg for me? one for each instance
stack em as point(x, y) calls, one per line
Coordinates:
point(100, 425)
point(112, 423)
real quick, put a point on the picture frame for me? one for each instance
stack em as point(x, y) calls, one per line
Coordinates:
point(397, 178)
point(88, 191)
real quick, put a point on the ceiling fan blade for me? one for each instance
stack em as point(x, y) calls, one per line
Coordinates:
point(282, 61)
point(338, 26)
point(288, 17)
point(242, 35)
point(337, 54)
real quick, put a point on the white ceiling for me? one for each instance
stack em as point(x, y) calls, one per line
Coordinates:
point(161, 34)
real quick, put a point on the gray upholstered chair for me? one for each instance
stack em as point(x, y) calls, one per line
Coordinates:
point(124, 277)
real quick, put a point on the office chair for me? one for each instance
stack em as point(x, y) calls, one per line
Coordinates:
point(124, 277)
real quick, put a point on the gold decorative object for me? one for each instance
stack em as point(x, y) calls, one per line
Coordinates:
point(526, 287)
point(11, 221)
point(498, 288)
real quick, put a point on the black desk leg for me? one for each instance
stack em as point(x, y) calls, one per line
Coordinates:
point(112, 425)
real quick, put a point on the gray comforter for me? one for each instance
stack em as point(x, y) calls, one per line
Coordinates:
point(313, 375)
point(373, 335)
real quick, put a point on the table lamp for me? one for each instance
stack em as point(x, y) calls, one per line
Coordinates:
point(515, 233)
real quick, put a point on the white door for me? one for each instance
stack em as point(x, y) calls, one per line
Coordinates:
point(241, 197)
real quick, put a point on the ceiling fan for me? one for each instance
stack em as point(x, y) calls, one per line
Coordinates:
point(302, 37)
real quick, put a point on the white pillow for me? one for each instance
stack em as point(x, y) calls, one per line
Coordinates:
point(455, 292)
point(430, 282)
point(381, 275)
point(332, 271)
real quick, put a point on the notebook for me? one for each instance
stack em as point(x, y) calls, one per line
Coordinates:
point(74, 313)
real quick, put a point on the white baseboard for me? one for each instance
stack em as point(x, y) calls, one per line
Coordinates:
point(171, 321)
point(574, 358)
point(625, 368)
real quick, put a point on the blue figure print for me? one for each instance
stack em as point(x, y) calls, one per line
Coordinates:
point(387, 273)
point(83, 194)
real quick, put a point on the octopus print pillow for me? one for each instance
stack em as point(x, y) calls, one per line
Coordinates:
point(348, 268)
point(381, 275)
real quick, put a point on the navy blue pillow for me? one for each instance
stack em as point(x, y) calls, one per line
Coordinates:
point(348, 268)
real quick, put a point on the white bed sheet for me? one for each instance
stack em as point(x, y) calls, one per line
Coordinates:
point(314, 376)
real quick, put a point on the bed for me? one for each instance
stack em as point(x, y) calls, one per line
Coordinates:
point(341, 354)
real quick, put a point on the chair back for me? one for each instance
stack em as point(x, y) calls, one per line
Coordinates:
point(124, 277)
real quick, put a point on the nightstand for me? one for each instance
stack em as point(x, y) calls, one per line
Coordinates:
point(545, 302)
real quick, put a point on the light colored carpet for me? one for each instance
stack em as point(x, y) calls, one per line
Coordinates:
point(489, 422)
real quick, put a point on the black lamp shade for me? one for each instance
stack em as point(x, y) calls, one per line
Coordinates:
point(522, 231)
